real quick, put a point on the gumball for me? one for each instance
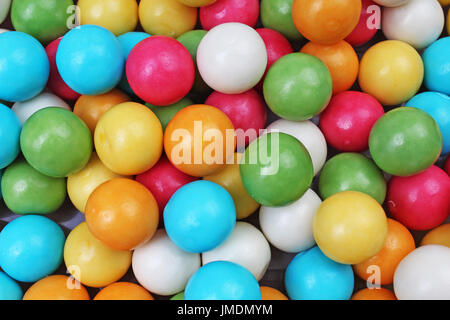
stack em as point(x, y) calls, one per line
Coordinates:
point(154, 69)
point(309, 135)
point(1, 175)
point(25, 67)
point(405, 141)
point(91, 262)
point(197, 3)
point(179, 296)
point(9, 289)
point(166, 17)
point(448, 23)
point(224, 11)
point(4, 9)
point(336, 19)
point(166, 113)
point(447, 165)
point(350, 227)
point(37, 244)
point(391, 71)
point(129, 139)
point(27, 191)
point(276, 170)
point(406, 22)
point(123, 291)
point(56, 287)
point(399, 243)
point(271, 294)
point(10, 128)
point(289, 228)
point(439, 235)
point(313, 276)
point(222, 280)
point(56, 142)
point(341, 60)
point(162, 267)
point(437, 66)
point(232, 58)
point(81, 184)
point(277, 15)
point(423, 274)
point(348, 119)
point(289, 91)
point(45, 20)
point(368, 25)
point(421, 201)
point(352, 172)
point(26, 109)
point(391, 3)
point(374, 294)
point(91, 108)
point(188, 140)
point(90, 60)
point(118, 16)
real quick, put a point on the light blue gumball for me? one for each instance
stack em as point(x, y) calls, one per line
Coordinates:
point(10, 128)
point(9, 289)
point(436, 60)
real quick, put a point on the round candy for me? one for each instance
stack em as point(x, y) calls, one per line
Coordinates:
point(223, 11)
point(391, 3)
point(374, 294)
point(90, 60)
point(289, 91)
point(423, 274)
point(129, 139)
point(437, 66)
point(405, 141)
point(56, 142)
point(91, 262)
point(421, 201)
point(313, 276)
point(391, 71)
point(276, 169)
point(166, 113)
point(155, 67)
point(336, 19)
point(27, 191)
point(350, 227)
point(448, 23)
point(4, 9)
point(268, 293)
point(37, 244)
point(162, 267)
point(439, 235)
point(277, 15)
point(368, 25)
point(123, 291)
point(348, 120)
point(222, 280)
point(25, 67)
point(232, 58)
point(10, 128)
point(289, 228)
point(56, 287)
point(197, 3)
point(9, 289)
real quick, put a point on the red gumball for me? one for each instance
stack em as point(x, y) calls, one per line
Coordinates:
point(348, 119)
point(160, 70)
point(420, 202)
point(368, 24)
point(223, 11)
point(55, 83)
point(447, 165)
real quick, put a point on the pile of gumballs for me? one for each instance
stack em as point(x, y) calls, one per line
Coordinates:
point(196, 138)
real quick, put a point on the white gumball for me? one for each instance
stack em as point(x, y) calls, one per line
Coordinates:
point(232, 58)
point(390, 3)
point(418, 22)
point(26, 109)
point(4, 9)
point(424, 274)
point(308, 134)
point(290, 228)
point(162, 267)
point(247, 247)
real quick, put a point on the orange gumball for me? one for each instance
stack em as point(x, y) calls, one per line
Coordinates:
point(325, 21)
point(122, 214)
point(439, 235)
point(56, 288)
point(374, 294)
point(381, 267)
point(341, 60)
point(268, 293)
point(123, 291)
point(199, 139)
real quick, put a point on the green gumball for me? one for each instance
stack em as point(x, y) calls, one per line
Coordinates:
point(165, 114)
point(56, 142)
point(179, 296)
point(352, 172)
point(276, 169)
point(298, 87)
point(405, 141)
point(277, 15)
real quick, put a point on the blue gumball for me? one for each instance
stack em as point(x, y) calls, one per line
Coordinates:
point(437, 105)
point(313, 276)
point(24, 67)
point(31, 248)
point(436, 60)
point(10, 128)
point(90, 60)
point(9, 289)
point(222, 280)
point(200, 216)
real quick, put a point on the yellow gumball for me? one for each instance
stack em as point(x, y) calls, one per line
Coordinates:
point(391, 71)
point(118, 16)
point(350, 227)
point(166, 17)
point(129, 138)
point(198, 3)
point(439, 235)
point(448, 23)
point(91, 262)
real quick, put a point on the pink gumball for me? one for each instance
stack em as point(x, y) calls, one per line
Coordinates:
point(447, 165)
point(223, 11)
point(368, 24)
